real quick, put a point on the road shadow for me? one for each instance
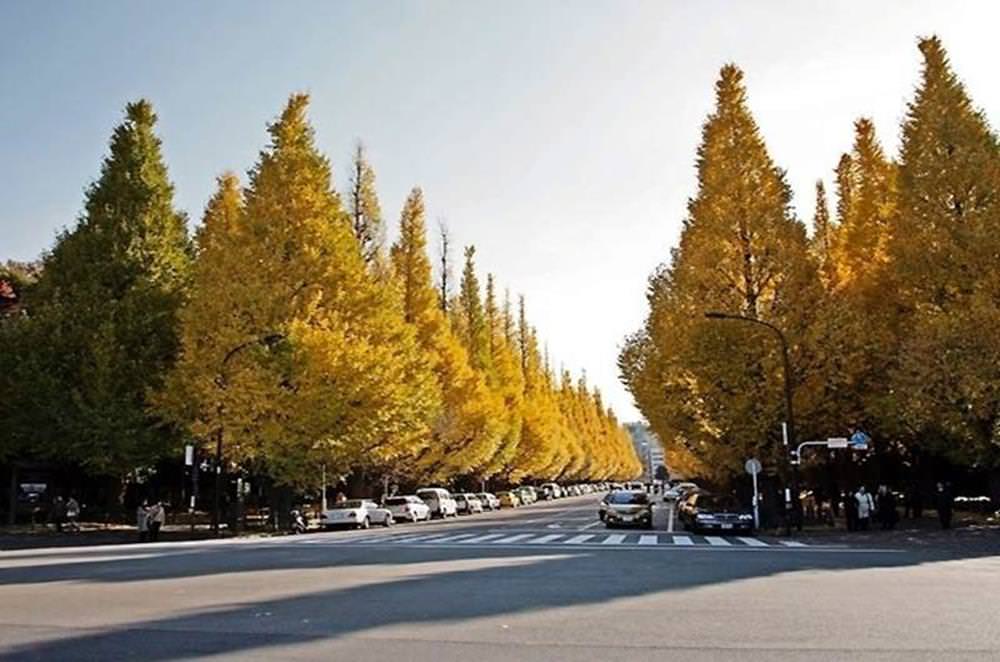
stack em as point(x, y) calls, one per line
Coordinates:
point(514, 581)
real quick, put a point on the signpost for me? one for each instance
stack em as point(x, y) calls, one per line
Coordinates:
point(753, 468)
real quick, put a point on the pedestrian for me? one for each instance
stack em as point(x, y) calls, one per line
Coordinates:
point(945, 501)
point(866, 508)
point(157, 518)
point(886, 508)
point(58, 514)
point(850, 510)
point(142, 520)
point(72, 514)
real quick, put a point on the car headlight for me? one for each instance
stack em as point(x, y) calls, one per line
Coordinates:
point(746, 518)
point(704, 517)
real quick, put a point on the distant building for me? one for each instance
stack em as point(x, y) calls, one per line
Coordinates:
point(647, 447)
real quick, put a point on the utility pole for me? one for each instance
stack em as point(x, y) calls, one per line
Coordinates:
point(788, 431)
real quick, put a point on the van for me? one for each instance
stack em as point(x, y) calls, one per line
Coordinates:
point(439, 500)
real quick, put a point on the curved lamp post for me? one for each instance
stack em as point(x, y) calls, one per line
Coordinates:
point(789, 413)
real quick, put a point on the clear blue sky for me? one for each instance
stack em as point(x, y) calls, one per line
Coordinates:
point(557, 137)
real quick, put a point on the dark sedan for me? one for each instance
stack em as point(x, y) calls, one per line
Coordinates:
point(710, 512)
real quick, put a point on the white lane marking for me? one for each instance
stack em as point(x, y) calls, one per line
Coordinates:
point(683, 540)
point(718, 542)
point(544, 539)
point(753, 542)
point(423, 538)
point(520, 536)
point(590, 526)
point(792, 543)
point(490, 536)
point(649, 540)
point(576, 540)
point(454, 538)
point(615, 539)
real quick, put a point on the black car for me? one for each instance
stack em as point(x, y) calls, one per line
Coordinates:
point(627, 508)
point(710, 512)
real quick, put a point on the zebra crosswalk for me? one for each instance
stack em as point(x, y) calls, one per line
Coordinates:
point(602, 540)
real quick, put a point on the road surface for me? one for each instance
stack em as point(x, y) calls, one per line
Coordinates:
point(536, 584)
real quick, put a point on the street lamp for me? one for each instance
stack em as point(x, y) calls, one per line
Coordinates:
point(789, 413)
point(268, 341)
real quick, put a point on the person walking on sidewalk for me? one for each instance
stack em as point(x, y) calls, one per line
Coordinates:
point(850, 510)
point(886, 508)
point(142, 520)
point(945, 501)
point(72, 514)
point(157, 518)
point(865, 508)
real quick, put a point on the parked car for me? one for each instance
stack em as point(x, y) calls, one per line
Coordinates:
point(628, 508)
point(636, 486)
point(468, 504)
point(508, 499)
point(490, 501)
point(679, 491)
point(439, 500)
point(356, 514)
point(410, 508)
point(527, 494)
point(710, 512)
point(551, 491)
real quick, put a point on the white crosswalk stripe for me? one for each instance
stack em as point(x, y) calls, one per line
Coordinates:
point(490, 536)
point(519, 537)
point(619, 540)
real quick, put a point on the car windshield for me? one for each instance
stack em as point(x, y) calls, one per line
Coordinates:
point(718, 503)
point(628, 498)
point(345, 505)
point(396, 501)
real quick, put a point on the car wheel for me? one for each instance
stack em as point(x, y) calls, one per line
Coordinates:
point(366, 523)
point(387, 522)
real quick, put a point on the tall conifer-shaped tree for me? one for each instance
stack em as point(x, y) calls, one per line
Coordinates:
point(311, 357)
point(823, 239)
point(466, 433)
point(364, 209)
point(106, 309)
point(712, 390)
point(946, 248)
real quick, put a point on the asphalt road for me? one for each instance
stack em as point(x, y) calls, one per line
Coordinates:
point(540, 583)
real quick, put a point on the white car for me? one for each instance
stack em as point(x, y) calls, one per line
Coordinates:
point(490, 500)
point(468, 504)
point(439, 500)
point(408, 508)
point(355, 513)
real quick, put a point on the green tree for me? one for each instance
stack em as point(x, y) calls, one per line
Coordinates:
point(104, 317)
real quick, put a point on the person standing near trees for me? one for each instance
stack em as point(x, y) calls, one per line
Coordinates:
point(865, 508)
point(157, 518)
point(850, 510)
point(142, 520)
point(945, 501)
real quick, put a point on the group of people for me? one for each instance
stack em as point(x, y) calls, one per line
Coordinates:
point(861, 508)
point(150, 518)
point(65, 514)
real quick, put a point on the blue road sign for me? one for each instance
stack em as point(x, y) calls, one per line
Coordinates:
point(859, 440)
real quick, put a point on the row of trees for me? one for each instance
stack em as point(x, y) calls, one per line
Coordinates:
point(891, 305)
point(286, 334)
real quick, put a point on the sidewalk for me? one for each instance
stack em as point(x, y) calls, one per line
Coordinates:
point(25, 537)
point(969, 532)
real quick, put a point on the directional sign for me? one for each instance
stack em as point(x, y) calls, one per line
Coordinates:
point(752, 466)
point(837, 442)
point(859, 440)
